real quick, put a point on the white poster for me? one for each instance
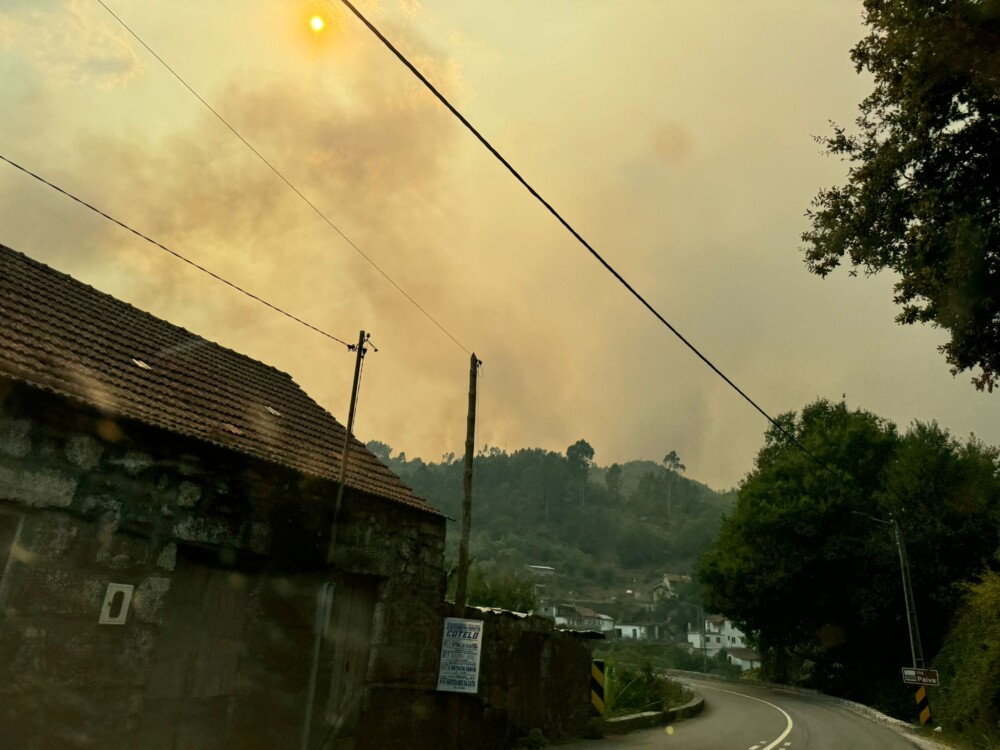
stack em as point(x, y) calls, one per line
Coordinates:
point(461, 646)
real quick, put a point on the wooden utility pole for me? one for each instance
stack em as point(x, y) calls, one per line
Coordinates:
point(349, 431)
point(470, 446)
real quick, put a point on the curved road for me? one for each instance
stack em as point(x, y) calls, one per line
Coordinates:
point(744, 717)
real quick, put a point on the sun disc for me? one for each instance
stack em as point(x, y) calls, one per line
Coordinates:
point(317, 23)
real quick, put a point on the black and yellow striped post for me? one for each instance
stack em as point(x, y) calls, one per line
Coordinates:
point(597, 685)
point(924, 705)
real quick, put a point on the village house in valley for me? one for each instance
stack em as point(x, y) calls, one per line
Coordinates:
point(719, 634)
point(167, 572)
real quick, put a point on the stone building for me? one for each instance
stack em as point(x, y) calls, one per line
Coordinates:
point(166, 572)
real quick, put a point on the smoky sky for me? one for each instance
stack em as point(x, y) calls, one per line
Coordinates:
point(677, 137)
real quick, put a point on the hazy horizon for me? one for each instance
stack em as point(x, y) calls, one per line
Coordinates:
point(677, 137)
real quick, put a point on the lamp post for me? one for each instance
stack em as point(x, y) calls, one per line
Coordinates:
point(916, 648)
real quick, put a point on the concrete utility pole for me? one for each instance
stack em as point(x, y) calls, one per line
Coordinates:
point(916, 648)
point(470, 446)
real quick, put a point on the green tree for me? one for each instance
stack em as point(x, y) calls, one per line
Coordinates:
point(793, 538)
point(969, 699)
point(674, 466)
point(580, 455)
point(613, 481)
point(381, 450)
point(491, 586)
point(673, 462)
point(922, 197)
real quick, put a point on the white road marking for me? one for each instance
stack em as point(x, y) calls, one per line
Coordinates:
point(782, 711)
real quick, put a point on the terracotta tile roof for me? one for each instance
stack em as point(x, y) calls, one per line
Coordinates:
point(59, 334)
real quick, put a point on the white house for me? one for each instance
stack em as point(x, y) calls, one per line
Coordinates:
point(572, 617)
point(632, 632)
point(743, 658)
point(719, 634)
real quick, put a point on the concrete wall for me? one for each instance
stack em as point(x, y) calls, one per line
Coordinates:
point(86, 501)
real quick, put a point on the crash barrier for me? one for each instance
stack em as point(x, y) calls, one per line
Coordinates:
point(650, 719)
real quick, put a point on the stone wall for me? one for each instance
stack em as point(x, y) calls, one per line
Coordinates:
point(531, 677)
point(86, 501)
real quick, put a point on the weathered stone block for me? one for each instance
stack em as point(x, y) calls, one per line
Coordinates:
point(136, 462)
point(188, 495)
point(94, 504)
point(120, 552)
point(15, 437)
point(84, 451)
point(53, 535)
point(167, 559)
point(36, 590)
point(206, 531)
point(38, 488)
point(148, 599)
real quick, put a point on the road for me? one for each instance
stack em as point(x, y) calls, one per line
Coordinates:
point(742, 717)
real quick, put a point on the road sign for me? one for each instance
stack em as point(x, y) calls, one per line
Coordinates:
point(914, 676)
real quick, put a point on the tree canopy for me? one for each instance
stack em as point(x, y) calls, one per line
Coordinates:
point(922, 197)
point(818, 585)
point(673, 462)
point(638, 519)
point(970, 663)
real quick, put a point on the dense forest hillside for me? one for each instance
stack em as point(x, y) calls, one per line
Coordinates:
point(597, 526)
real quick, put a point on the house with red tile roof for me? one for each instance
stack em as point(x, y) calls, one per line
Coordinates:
point(166, 515)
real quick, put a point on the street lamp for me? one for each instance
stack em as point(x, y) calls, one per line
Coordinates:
point(916, 649)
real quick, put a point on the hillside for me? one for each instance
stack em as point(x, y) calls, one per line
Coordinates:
point(599, 527)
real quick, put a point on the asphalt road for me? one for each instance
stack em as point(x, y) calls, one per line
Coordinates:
point(741, 717)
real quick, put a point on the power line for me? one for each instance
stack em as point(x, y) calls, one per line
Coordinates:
point(597, 256)
point(284, 179)
point(177, 255)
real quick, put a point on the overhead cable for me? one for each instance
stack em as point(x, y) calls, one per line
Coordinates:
point(177, 255)
point(284, 179)
point(597, 256)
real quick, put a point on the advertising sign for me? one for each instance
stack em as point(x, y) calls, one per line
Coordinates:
point(461, 646)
